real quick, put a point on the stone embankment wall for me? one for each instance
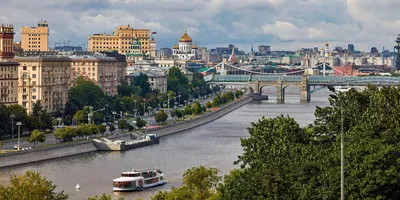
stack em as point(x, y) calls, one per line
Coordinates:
point(200, 120)
point(46, 153)
point(69, 149)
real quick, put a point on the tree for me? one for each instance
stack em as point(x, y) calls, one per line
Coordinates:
point(199, 183)
point(103, 197)
point(123, 124)
point(31, 186)
point(176, 80)
point(1, 143)
point(140, 123)
point(178, 113)
point(209, 104)
point(111, 128)
point(36, 137)
point(188, 110)
point(102, 129)
point(238, 93)
point(283, 161)
point(161, 116)
point(142, 82)
point(66, 134)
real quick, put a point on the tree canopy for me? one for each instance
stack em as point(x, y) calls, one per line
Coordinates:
point(30, 186)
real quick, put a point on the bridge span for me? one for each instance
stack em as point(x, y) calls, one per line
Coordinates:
point(255, 83)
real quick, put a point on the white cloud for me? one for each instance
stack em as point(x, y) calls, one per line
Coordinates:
point(281, 23)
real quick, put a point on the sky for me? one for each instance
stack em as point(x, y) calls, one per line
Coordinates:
point(282, 24)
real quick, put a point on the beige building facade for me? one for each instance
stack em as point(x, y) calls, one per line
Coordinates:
point(106, 71)
point(35, 38)
point(43, 78)
point(8, 68)
point(120, 41)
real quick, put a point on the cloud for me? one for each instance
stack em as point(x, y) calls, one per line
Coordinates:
point(280, 23)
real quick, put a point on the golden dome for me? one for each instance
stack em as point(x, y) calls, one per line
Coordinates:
point(175, 47)
point(195, 47)
point(185, 38)
point(326, 44)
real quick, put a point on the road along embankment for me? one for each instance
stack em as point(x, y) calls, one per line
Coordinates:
point(199, 120)
point(75, 148)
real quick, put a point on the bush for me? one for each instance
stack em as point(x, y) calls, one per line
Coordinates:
point(209, 104)
point(161, 116)
point(140, 122)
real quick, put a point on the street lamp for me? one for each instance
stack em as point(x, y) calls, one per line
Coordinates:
point(185, 102)
point(114, 113)
point(12, 116)
point(62, 116)
point(144, 107)
point(135, 111)
point(332, 89)
point(19, 124)
point(107, 113)
point(149, 108)
point(59, 121)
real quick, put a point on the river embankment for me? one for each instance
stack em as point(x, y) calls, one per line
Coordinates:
point(87, 146)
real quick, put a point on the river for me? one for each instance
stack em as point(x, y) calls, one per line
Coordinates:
point(216, 144)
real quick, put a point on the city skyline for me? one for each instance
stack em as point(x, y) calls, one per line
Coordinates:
point(282, 24)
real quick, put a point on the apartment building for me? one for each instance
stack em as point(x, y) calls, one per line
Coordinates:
point(45, 78)
point(35, 38)
point(8, 68)
point(120, 41)
point(105, 69)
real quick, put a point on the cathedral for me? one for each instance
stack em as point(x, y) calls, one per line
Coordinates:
point(186, 50)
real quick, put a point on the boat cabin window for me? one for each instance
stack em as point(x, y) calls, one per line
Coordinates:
point(130, 175)
point(124, 184)
point(148, 174)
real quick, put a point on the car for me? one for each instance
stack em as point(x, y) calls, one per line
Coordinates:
point(16, 146)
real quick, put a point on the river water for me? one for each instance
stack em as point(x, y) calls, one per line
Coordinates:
point(216, 144)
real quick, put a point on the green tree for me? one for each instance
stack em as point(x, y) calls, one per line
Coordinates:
point(239, 93)
point(30, 186)
point(36, 137)
point(188, 110)
point(123, 124)
point(111, 128)
point(176, 80)
point(140, 123)
point(199, 183)
point(103, 197)
point(102, 129)
point(161, 116)
point(209, 104)
point(1, 143)
point(142, 82)
point(66, 134)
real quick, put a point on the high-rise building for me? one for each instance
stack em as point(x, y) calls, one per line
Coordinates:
point(44, 78)
point(35, 38)
point(350, 47)
point(120, 41)
point(153, 48)
point(105, 69)
point(8, 68)
point(264, 50)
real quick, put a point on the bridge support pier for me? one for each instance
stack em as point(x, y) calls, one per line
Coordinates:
point(280, 93)
point(305, 95)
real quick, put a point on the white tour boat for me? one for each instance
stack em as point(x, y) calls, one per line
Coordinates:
point(138, 180)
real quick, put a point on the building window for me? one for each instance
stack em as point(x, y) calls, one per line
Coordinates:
point(24, 67)
point(33, 89)
point(34, 68)
point(33, 75)
point(93, 74)
point(33, 82)
point(34, 97)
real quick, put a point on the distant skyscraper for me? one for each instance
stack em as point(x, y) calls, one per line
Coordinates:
point(350, 47)
point(398, 53)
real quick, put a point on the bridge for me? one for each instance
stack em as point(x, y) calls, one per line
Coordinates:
point(255, 81)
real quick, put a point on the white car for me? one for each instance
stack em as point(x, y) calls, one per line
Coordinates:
point(15, 146)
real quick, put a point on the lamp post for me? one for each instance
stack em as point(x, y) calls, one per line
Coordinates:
point(19, 131)
point(40, 114)
point(148, 110)
point(107, 113)
point(114, 113)
point(62, 116)
point(144, 107)
point(185, 102)
point(332, 89)
point(179, 102)
point(135, 111)
point(59, 121)
point(12, 116)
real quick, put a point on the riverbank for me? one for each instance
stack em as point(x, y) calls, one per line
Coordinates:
point(87, 146)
